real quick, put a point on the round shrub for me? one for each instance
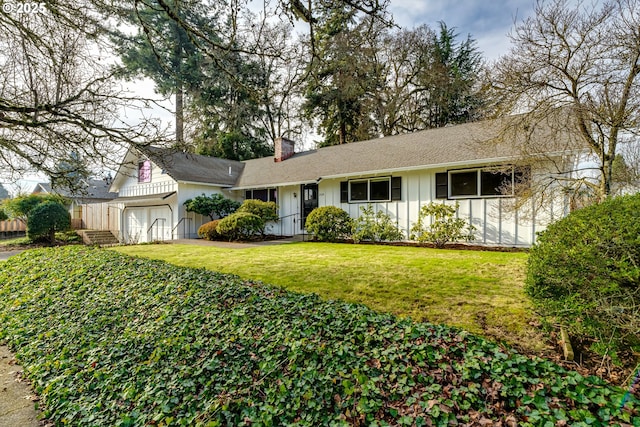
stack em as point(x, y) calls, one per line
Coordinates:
point(267, 211)
point(584, 273)
point(329, 223)
point(209, 230)
point(240, 226)
point(47, 218)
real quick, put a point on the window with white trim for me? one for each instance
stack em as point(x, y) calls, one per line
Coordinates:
point(379, 189)
point(481, 182)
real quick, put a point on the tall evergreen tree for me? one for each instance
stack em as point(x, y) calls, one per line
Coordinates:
point(162, 50)
point(451, 78)
point(341, 77)
point(215, 86)
point(228, 109)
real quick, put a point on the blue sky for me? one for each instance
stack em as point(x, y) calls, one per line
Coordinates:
point(488, 21)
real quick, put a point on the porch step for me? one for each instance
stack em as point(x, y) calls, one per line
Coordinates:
point(98, 237)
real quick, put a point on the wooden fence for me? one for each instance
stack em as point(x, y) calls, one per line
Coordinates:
point(12, 228)
point(101, 216)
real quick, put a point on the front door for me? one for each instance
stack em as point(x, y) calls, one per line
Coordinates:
point(309, 200)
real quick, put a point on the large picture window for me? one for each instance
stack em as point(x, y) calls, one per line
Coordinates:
point(371, 190)
point(484, 182)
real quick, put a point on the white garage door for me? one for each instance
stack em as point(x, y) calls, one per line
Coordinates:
point(135, 225)
point(160, 223)
point(147, 224)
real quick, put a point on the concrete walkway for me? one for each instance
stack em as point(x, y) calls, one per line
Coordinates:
point(17, 401)
point(4, 255)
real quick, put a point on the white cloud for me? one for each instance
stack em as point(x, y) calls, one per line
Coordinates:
point(488, 22)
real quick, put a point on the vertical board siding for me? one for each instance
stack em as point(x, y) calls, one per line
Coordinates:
point(495, 220)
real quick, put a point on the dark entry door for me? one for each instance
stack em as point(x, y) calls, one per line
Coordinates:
point(309, 200)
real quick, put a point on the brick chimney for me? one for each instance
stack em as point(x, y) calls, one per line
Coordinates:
point(283, 148)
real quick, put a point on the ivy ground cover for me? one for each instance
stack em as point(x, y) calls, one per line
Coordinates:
point(108, 339)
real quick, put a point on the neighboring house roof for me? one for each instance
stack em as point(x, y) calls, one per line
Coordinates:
point(441, 147)
point(187, 167)
point(93, 190)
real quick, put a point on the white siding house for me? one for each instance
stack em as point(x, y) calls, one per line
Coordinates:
point(397, 174)
point(153, 184)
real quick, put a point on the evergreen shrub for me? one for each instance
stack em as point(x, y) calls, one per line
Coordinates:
point(584, 273)
point(376, 227)
point(444, 226)
point(266, 211)
point(45, 219)
point(329, 223)
point(241, 226)
point(209, 230)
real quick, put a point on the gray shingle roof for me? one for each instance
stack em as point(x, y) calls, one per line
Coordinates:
point(93, 190)
point(429, 148)
point(195, 168)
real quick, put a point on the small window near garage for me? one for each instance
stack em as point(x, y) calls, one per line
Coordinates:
point(144, 171)
point(262, 194)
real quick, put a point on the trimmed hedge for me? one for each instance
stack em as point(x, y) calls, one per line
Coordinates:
point(584, 273)
point(209, 230)
point(329, 223)
point(108, 339)
point(266, 211)
point(240, 226)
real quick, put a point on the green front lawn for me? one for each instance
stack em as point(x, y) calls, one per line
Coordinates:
point(478, 291)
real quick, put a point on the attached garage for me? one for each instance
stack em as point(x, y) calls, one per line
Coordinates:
point(160, 223)
point(147, 224)
point(147, 219)
point(135, 222)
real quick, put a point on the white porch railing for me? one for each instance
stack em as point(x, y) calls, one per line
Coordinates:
point(148, 189)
